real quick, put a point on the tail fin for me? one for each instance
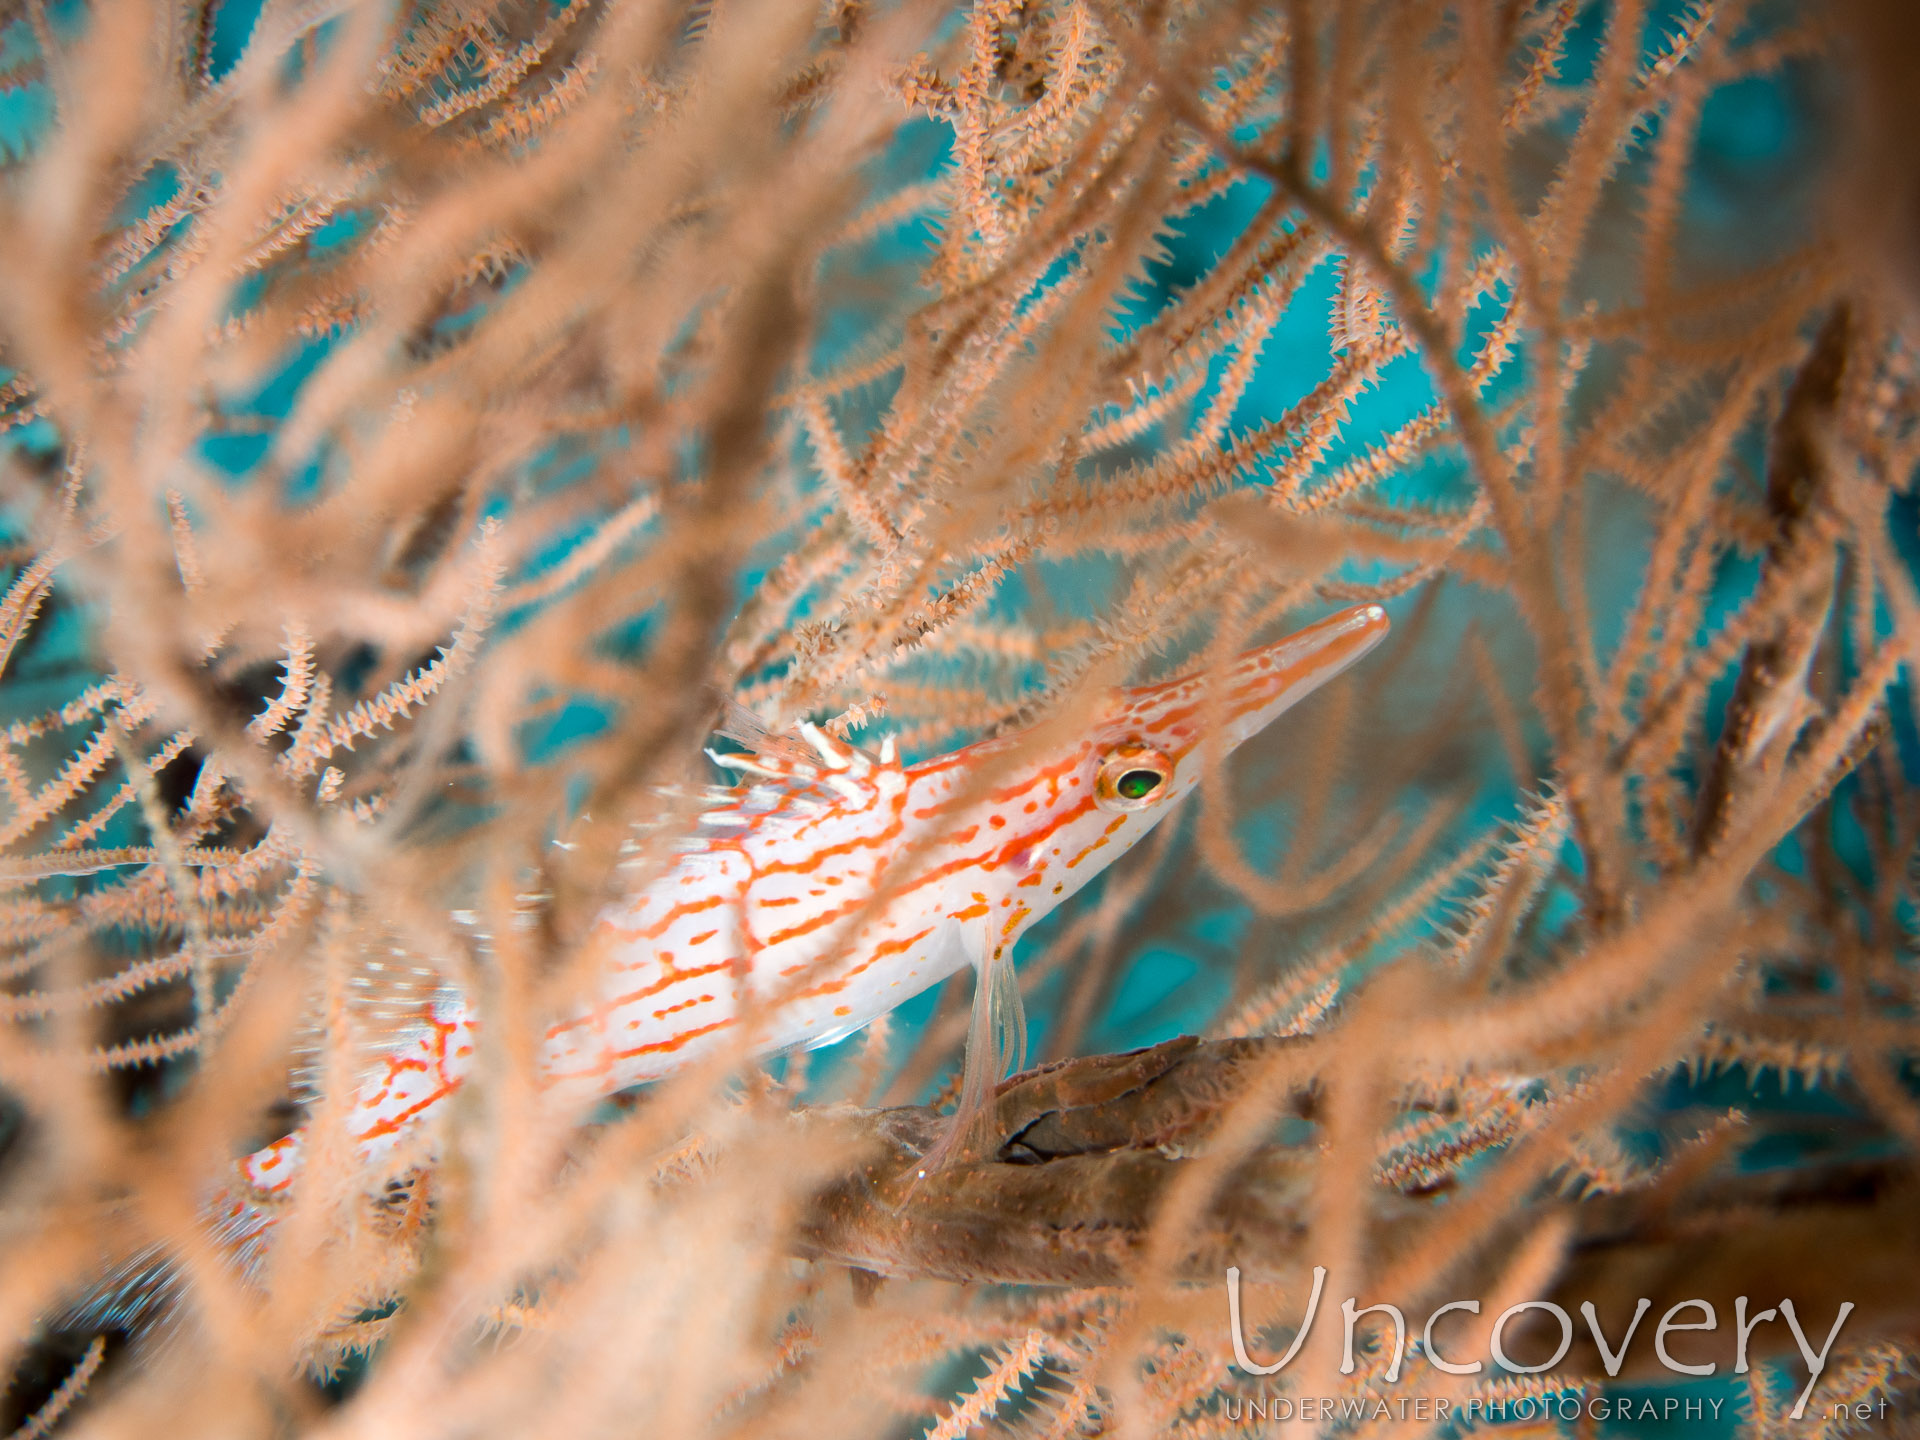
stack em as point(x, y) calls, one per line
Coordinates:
point(134, 1302)
point(134, 1299)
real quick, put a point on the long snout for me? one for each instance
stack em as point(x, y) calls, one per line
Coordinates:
point(1259, 685)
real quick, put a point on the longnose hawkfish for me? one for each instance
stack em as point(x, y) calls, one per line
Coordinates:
point(789, 923)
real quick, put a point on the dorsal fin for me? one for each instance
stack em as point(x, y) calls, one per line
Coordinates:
point(736, 722)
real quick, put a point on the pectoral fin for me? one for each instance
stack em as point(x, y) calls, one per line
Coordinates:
point(996, 1041)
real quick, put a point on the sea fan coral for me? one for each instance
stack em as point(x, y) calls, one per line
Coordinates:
point(426, 422)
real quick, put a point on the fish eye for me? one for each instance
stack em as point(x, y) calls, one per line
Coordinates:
point(1132, 777)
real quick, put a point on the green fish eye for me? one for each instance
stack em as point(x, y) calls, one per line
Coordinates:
point(1137, 784)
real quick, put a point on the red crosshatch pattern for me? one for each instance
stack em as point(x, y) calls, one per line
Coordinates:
point(776, 903)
